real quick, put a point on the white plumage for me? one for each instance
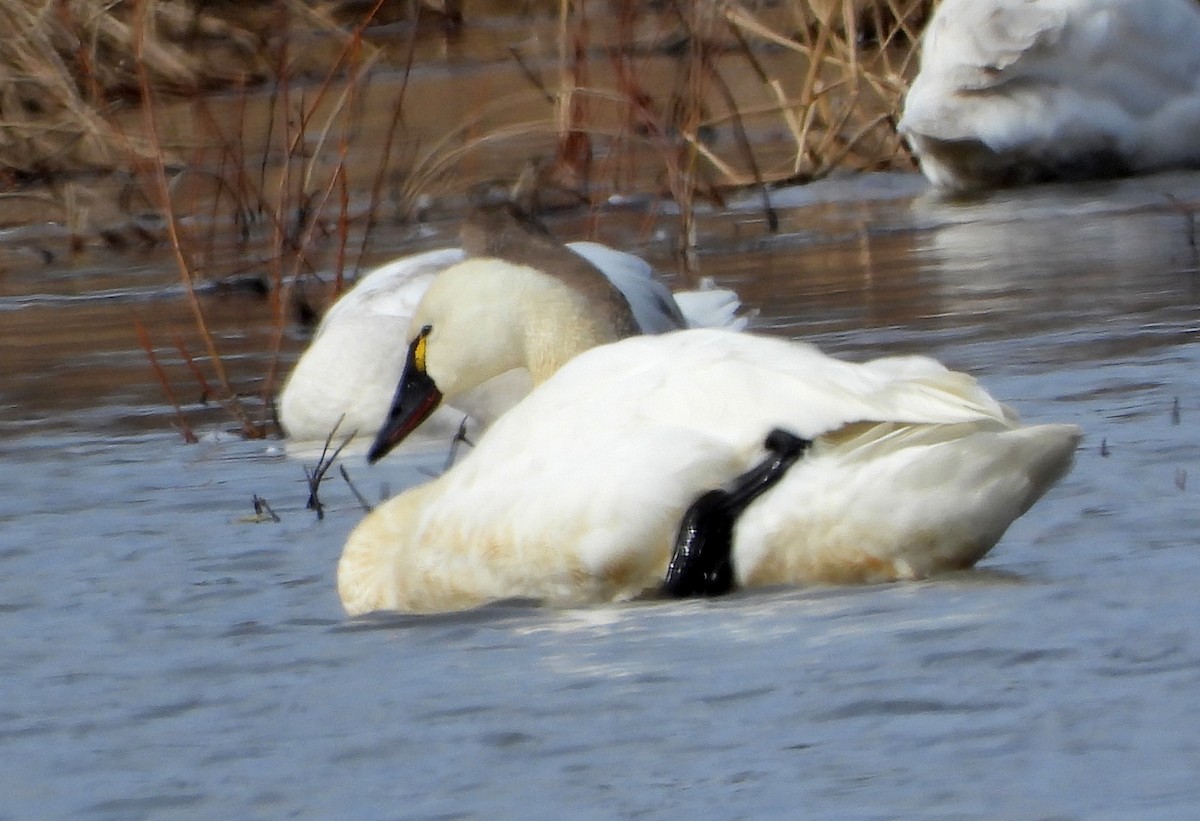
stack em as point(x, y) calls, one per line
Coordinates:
point(575, 494)
point(350, 370)
point(1017, 91)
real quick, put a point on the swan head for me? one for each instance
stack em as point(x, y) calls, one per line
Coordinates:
point(487, 316)
point(464, 332)
point(479, 319)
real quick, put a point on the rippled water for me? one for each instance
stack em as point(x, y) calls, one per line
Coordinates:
point(166, 656)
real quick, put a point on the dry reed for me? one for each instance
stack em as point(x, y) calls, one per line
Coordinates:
point(287, 209)
point(682, 99)
point(694, 99)
point(64, 64)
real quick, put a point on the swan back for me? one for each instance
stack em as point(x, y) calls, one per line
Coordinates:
point(719, 381)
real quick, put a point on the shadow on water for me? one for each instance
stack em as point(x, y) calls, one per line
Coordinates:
point(500, 613)
point(167, 656)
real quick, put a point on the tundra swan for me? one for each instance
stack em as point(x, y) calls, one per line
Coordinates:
point(1019, 91)
point(348, 374)
point(576, 494)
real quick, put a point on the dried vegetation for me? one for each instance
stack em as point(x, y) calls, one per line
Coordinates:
point(66, 65)
point(673, 97)
point(318, 132)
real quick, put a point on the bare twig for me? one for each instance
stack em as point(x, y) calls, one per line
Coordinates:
point(164, 193)
point(362, 501)
point(315, 476)
point(205, 391)
point(144, 338)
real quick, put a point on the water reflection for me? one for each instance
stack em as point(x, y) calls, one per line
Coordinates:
point(166, 656)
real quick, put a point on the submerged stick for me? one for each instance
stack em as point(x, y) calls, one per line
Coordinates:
point(261, 506)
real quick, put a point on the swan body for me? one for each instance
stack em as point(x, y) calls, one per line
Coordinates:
point(1019, 91)
point(347, 376)
point(575, 495)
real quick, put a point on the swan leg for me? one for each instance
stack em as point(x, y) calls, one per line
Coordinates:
point(702, 561)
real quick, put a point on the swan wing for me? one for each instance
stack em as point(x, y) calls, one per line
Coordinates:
point(654, 308)
point(739, 386)
point(711, 307)
point(391, 290)
point(887, 502)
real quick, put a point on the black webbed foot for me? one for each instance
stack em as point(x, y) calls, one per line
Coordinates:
point(702, 561)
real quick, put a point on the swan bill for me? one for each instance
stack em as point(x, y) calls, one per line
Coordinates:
point(416, 398)
point(702, 561)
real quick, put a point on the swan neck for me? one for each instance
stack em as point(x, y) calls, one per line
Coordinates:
point(555, 336)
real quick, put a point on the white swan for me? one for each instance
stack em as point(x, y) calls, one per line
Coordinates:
point(1017, 91)
point(348, 374)
point(576, 494)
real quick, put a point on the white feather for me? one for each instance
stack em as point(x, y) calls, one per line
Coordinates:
point(348, 374)
point(576, 493)
point(1013, 91)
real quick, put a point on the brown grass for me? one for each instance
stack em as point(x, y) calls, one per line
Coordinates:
point(753, 97)
point(755, 92)
point(64, 64)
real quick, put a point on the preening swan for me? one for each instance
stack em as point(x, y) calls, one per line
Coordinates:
point(899, 468)
point(348, 374)
point(1018, 91)
point(534, 318)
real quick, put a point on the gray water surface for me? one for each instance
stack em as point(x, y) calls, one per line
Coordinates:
point(165, 656)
